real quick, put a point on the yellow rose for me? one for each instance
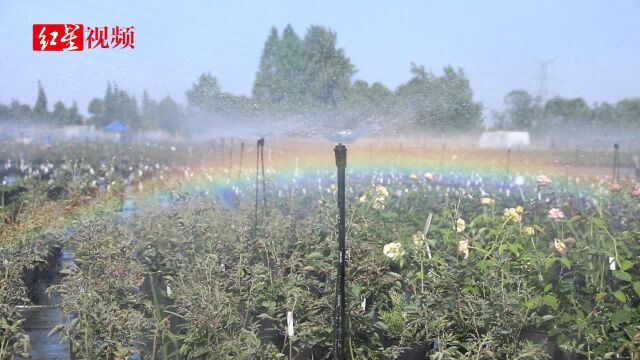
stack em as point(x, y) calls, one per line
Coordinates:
point(418, 239)
point(529, 230)
point(512, 214)
point(428, 176)
point(463, 248)
point(559, 246)
point(460, 225)
point(382, 191)
point(487, 201)
point(393, 250)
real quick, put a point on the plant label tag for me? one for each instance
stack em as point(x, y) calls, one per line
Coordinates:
point(612, 263)
point(363, 304)
point(290, 323)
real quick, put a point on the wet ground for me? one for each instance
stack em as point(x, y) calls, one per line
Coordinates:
point(44, 315)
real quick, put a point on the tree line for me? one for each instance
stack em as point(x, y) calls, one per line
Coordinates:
point(526, 111)
point(310, 79)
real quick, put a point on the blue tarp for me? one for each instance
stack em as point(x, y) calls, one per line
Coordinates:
point(116, 126)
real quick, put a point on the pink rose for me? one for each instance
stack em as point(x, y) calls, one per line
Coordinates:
point(556, 214)
point(543, 180)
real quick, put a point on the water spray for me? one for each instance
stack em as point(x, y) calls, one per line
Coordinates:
point(339, 329)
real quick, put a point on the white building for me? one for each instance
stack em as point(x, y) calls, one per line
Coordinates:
point(504, 139)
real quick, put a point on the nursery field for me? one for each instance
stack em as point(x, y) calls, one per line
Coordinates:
point(225, 249)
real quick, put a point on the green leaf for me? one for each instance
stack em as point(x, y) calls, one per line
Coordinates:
point(598, 222)
point(551, 301)
point(55, 330)
point(314, 256)
point(564, 261)
point(636, 287)
point(199, 352)
point(574, 219)
point(622, 275)
point(625, 265)
point(620, 296)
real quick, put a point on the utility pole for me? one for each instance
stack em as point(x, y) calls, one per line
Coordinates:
point(544, 79)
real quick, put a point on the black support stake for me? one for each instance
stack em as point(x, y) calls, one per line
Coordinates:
point(264, 182)
point(339, 329)
point(616, 162)
point(231, 157)
point(258, 146)
point(241, 154)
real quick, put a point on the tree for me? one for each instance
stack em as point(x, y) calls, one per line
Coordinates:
point(560, 112)
point(96, 109)
point(117, 105)
point(603, 114)
point(73, 117)
point(170, 116)
point(20, 112)
point(264, 86)
point(59, 114)
point(148, 112)
point(441, 103)
point(40, 108)
point(629, 112)
point(328, 71)
point(206, 94)
point(297, 74)
point(522, 110)
point(5, 112)
point(367, 104)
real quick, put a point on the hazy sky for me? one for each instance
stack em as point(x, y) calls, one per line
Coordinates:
point(594, 45)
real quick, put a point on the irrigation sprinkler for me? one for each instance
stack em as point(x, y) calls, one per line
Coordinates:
point(616, 162)
point(339, 329)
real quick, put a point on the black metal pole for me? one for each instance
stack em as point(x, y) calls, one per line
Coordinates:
point(241, 154)
point(339, 329)
point(231, 157)
point(255, 223)
point(264, 181)
point(616, 159)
